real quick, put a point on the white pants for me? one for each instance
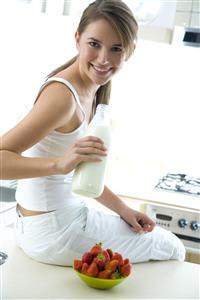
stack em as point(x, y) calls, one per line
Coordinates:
point(61, 236)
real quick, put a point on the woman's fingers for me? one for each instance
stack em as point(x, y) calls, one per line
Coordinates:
point(89, 158)
point(91, 150)
point(91, 140)
point(92, 144)
point(87, 149)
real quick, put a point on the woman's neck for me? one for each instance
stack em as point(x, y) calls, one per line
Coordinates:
point(86, 85)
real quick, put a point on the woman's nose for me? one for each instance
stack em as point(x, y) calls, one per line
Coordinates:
point(103, 57)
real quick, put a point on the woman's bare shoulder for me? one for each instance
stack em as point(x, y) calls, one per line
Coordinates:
point(57, 93)
point(54, 107)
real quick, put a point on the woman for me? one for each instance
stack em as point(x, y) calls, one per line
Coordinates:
point(53, 224)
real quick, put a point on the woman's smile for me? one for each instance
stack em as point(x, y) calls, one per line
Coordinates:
point(102, 71)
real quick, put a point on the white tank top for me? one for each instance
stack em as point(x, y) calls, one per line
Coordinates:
point(51, 192)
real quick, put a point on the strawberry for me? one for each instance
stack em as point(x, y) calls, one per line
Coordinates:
point(118, 257)
point(112, 265)
point(125, 270)
point(84, 268)
point(100, 260)
point(104, 274)
point(78, 264)
point(126, 261)
point(87, 257)
point(92, 270)
point(110, 252)
point(106, 254)
point(96, 249)
point(103, 263)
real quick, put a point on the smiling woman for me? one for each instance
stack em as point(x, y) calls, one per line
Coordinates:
point(45, 147)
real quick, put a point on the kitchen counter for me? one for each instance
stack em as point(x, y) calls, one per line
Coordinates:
point(133, 180)
point(26, 278)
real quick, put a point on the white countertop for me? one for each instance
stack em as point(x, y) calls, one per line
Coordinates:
point(22, 278)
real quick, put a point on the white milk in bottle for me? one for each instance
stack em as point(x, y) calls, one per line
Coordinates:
point(88, 178)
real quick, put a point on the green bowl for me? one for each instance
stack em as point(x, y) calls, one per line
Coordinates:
point(99, 283)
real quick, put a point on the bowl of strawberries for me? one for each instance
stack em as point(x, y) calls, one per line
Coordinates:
point(102, 268)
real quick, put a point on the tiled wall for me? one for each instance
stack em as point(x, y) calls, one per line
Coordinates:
point(188, 13)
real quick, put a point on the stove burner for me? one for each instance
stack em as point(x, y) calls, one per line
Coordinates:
point(180, 183)
point(3, 258)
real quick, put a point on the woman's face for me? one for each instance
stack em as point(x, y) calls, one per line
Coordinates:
point(101, 53)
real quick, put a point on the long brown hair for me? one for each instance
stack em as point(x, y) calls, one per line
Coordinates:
point(117, 13)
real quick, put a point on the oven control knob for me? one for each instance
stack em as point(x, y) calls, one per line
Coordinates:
point(182, 223)
point(194, 225)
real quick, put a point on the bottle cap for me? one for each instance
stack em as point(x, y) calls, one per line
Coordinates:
point(102, 108)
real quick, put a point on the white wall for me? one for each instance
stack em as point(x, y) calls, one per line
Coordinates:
point(31, 47)
point(156, 102)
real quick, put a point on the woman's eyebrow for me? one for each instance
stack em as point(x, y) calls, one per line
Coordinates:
point(97, 41)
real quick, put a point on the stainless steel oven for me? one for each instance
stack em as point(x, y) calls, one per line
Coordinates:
point(185, 223)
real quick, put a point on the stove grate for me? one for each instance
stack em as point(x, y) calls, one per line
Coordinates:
point(181, 183)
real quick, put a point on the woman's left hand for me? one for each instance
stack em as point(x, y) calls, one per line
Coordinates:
point(138, 221)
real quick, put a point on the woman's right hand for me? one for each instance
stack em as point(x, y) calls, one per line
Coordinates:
point(86, 149)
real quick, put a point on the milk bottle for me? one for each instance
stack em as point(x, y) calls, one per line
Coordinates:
point(88, 178)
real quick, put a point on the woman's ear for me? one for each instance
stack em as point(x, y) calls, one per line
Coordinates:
point(77, 39)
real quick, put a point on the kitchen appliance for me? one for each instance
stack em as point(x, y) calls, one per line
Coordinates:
point(191, 37)
point(186, 36)
point(184, 223)
point(180, 183)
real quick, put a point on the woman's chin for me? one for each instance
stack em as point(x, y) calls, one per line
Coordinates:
point(101, 80)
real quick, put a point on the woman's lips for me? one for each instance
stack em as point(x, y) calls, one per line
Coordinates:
point(101, 71)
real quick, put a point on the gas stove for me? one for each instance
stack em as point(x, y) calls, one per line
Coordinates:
point(181, 183)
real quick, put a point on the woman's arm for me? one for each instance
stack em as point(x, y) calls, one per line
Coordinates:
point(15, 166)
point(138, 221)
point(54, 109)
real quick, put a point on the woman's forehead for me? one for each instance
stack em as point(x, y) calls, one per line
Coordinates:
point(102, 30)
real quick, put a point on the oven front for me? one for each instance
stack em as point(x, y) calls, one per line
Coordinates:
point(185, 223)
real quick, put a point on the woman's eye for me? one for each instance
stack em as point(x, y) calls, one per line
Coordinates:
point(93, 44)
point(117, 49)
